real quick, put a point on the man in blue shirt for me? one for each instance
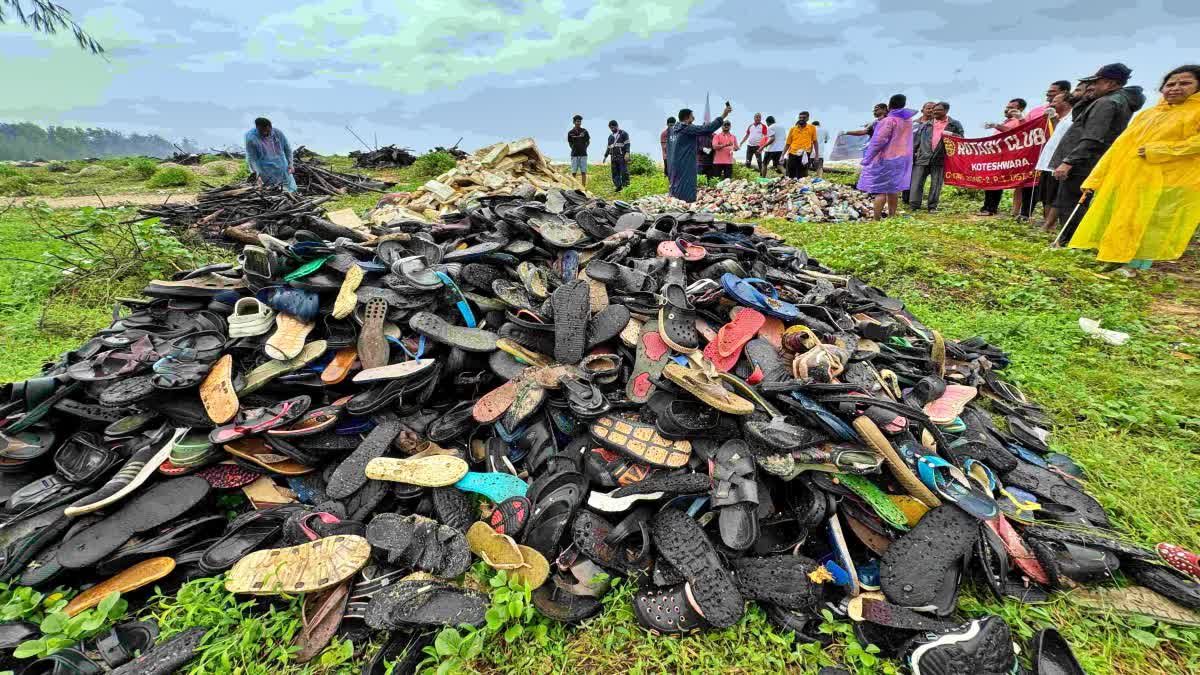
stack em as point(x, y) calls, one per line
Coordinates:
point(681, 149)
point(618, 149)
point(269, 155)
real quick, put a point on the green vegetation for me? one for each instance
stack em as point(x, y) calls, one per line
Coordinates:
point(26, 141)
point(433, 164)
point(141, 168)
point(1127, 414)
point(174, 176)
point(641, 165)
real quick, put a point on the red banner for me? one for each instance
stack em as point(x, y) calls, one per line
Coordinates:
point(999, 162)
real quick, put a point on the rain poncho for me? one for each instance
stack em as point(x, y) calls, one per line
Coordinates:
point(681, 146)
point(1146, 208)
point(270, 158)
point(887, 161)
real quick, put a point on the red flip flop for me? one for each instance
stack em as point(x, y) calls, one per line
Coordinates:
point(651, 358)
point(726, 349)
point(1180, 558)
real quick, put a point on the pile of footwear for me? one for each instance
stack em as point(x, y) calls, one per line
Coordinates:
point(568, 390)
point(515, 168)
point(389, 156)
point(802, 200)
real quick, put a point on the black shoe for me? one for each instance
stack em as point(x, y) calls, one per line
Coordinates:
point(981, 647)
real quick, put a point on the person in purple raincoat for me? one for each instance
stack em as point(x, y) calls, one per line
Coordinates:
point(887, 161)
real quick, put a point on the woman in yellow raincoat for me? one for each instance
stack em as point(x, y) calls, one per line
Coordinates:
point(1147, 186)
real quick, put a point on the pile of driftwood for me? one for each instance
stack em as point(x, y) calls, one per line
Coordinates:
point(389, 156)
point(454, 151)
point(314, 179)
point(240, 212)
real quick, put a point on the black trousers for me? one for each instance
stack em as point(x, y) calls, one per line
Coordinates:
point(1070, 191)
point(797, 167)
point(723, 171)
point(772, 159)
point(991, 201)
point(754, 152)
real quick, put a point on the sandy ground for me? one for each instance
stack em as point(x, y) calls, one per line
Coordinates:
point(130, 199)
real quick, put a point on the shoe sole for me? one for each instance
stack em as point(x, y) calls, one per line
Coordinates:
point(437, 471)
point(145, 472)
point(346, 298)
point(216, 391)
point(312, 566)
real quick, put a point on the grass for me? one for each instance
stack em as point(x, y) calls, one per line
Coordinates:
point(1127, 414)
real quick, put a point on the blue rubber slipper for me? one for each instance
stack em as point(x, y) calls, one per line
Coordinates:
point(496, 486)
point(949, 483)
point(832, 423)
point(746, 292)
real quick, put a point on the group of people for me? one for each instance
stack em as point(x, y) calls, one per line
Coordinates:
point(1131, 190)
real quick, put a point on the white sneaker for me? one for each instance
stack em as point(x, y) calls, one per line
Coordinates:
point(250, 317)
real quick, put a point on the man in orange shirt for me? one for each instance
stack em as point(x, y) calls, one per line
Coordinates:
point(801, 146)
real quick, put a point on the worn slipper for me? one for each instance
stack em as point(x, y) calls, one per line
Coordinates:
point(408, 604)
point(257, 452)
point(571, 305)
point(707, 389)
point(403, 371)
point(726, 349)
point(309, 567)
point(735, 494)
point(783, 580)
point(950, 404)
point(640, 441)
point(272, 369)
point(915, 565)
point(653, 354)
point(343, 306)
point(682, 543)
point(496, 487)
point(288, 340)
point(420, 542)
point(499, 551)
point(373, 349)
point(351, 475)
point(439, 330)
point(431, 471)
point(217, 393)
point(249, 422)
point(138, 576)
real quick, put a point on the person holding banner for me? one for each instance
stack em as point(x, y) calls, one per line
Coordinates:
point(887, 162)
point(929, 156)
point(1012, 120)
point(1147, 185)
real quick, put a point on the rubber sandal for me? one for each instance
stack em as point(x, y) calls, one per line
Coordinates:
point(288, 340)
point(735, 494)
point(432, 471)
point(726, 349)
point(420, 542)
point(1051, 654)
point(251, 421)
point(783, 580)
point(499, 551)
point(640, 441)
point(666, 610)
point(409, 604)
point(257, 452)
point(402, 653)
point(217, 393)
point(682, 543)
point(556, 601)
point(496, 487)
point(899, 468)
point(951, 485)
point(745, 292)
point(653, 355)
point(343, 305)
point(608, 503)
point(950, 404)
point(1132, 601)
point(350, 475)
point(128, 390)
point(406, 370)
point(438, 330)
point(312, 422)
point(167, 657)
point(340, 366)
point(373, 349)
point(667, 483)
point(912, 570)
point(595, 537)
point(309, 567)
point(707, 389)
point(618, 277)
point(256, 379)
point(1180, 558)
point(137, 576)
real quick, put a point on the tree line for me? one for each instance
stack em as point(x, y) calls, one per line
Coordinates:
point(28, 141)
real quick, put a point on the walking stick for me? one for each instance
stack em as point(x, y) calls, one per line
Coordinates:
point(1082, 198)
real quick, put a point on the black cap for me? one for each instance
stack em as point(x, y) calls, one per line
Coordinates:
point(1113, 71)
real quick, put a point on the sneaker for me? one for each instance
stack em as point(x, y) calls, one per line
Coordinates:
point(981, 647)
point(137, 469)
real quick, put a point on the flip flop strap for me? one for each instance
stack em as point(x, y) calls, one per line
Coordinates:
point(258, 425)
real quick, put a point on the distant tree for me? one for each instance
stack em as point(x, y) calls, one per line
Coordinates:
point(25, 141)
point(49, 18)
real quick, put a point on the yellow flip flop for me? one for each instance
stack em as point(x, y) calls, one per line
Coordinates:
point(499, 551)
point(429, 471)
point(346, 299)
point(133, 578)
point(311, 566)
point(216, 391)
point(707, 389)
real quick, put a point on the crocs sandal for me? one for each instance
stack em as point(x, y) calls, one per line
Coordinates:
point(677, 320)
point(309, 567)
point(431, 471)
point(640, 441)
point(666, 610)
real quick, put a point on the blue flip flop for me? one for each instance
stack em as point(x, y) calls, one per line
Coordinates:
point(831, 422)
point(494, 485)
point(746, 292)
point(949, 483)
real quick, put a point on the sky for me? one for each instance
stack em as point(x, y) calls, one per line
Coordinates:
point(422, 73)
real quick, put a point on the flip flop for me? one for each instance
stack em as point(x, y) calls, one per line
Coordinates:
point(1132, 601)
point(257, 452)
point(288, 340)
point(217, 393)
point(653, 354)
point(272, 369)
point(251, 421)
point(307, 568)
point(312, 422)
point(137, 576)
point(874, 497)
point(496, 487)
point(499, 551)
point(431, 471)
point(406, 370)
point(167, 657)
point(707, 389)
point(322, 614)
point(725, 350)
point(439, 330)
point(343, 305)
point(950, 404)
point(571, 304)
point(746, 292)
point(339, 367)
point(951, 485)
point(900, 469)
point(915, 565)
point(351, 475)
